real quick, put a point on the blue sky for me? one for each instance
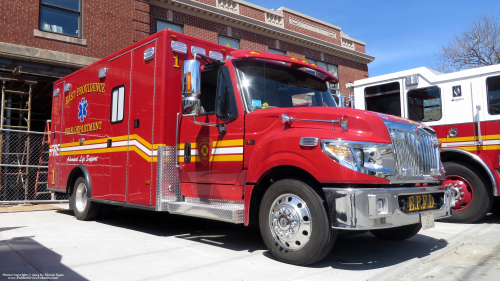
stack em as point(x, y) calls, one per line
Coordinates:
point(399, 34)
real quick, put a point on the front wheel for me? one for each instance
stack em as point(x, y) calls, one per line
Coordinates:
point(82, 207)
point(294, 223)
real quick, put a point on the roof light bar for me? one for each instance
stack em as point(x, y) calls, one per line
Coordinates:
point(149, 53)
point(197, 50)
point(103, 72)
point(215, 55)
point(67, 87)
point(179, 47)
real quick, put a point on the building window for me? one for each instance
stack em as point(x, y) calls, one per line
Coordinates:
point(424, 104)
point(229, 42)
point(61, 16)
point(384, 98)
point(161, 25)
point(117, 104)
point(328, 67)
point(276, 51)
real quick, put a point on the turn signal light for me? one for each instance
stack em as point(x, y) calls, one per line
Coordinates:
point(188, 89)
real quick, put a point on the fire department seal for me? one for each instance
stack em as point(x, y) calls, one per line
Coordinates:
point(204, 150)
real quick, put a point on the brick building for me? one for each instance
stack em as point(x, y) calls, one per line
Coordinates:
point(43, 40)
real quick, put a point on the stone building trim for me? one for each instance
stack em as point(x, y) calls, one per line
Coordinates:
point(15, 51)
point(205, 11)
point(229, 5)
point(308, 17)
point(313, 28)
point(59, 37)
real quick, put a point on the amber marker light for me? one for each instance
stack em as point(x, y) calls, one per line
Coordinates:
point(223, 50)
point(188, 86)
point(254, 53)
point(173, 35)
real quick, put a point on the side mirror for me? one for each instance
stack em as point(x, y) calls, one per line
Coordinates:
point(191, 84)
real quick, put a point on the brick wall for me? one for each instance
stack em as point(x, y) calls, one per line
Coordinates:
point(349, 71)
point(359, 48)
point(252, 13)
point(141, 20)
point(208, 2)
point(107, 26)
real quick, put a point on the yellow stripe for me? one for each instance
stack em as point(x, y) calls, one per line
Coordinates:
point(224, 143)
point(473, 138)
point(108, 150)
point(216, 158)
point(475, 147)
point(119, 138)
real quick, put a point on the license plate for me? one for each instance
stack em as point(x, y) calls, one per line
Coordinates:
point(427, 220)
point(421, 202)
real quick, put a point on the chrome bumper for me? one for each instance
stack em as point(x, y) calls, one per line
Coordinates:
point(357, 208)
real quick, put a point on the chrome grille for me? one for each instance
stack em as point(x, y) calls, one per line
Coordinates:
point(416, 153)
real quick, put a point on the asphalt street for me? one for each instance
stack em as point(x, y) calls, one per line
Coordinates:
point(143, 245)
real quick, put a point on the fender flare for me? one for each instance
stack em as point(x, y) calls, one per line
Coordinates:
point(279, 159)
point(481, 162)
point(86, 175)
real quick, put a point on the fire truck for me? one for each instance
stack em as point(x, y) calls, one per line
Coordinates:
point(181, 125)
point(464, 110)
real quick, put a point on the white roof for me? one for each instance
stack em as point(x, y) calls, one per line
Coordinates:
point(431, 75)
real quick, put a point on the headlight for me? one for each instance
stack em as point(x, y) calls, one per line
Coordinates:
point(341, 153)
point(369, 158)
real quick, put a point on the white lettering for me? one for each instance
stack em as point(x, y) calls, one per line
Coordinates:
point(82, 159)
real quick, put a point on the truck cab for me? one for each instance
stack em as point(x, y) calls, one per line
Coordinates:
point(462, 108)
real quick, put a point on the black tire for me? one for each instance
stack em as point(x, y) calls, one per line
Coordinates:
point(83, 208)
point(482, 199)
point(397, 233)
point(319, 234)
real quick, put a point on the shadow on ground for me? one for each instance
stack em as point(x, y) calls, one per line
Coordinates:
point(362, 251)
point(24, 258)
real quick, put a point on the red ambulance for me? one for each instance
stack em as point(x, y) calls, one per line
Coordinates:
point(182, 125)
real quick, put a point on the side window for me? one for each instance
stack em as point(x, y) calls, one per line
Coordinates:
point(384, 98)
point(493, 92)
point(226, 100)
point(208, 91)
point(229, 42)
point(161, 25)
point(424, 104)
point(61, 16)
point(117, 104)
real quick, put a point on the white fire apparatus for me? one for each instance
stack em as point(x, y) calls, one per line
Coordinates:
point(464, 109)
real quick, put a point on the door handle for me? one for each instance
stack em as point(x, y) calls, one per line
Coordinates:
point(187, 153)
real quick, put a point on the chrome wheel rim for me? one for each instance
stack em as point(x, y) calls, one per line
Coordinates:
point(290, 222)
point(81, 197)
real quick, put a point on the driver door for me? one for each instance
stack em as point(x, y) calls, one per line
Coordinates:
point(212, 159)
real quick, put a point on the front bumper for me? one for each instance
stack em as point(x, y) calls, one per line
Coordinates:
point(357, 208)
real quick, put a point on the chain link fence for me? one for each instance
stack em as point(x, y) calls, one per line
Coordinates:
point(24, 174)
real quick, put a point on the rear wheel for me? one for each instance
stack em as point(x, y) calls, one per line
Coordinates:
point(473, 199)
point(82, 207)
point(294, 224)
point(398, 233)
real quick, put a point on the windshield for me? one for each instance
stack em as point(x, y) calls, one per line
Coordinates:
point(273, 85)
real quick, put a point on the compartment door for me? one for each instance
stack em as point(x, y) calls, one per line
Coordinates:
point(118, 83)
point(140, 127)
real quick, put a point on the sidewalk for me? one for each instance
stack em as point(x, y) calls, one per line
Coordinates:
point(33, 207)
